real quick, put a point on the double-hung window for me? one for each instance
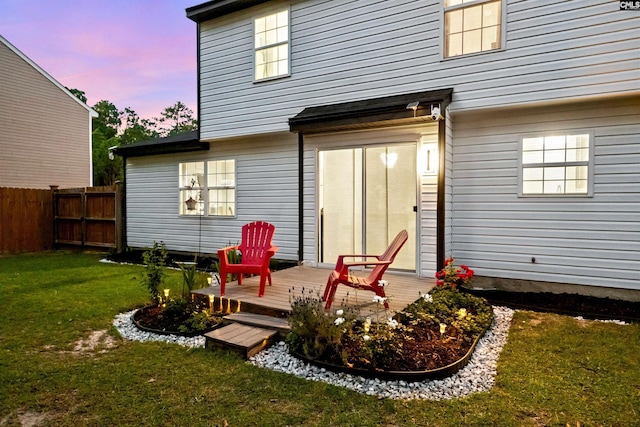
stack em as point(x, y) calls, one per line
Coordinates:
point(271, 44)
point(221, 177)
point(207, 188)
point(472, 26)
point(556, 165)
point(192, 185)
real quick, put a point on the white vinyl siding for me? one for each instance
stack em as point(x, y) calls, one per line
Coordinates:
point(267, 190)
point(586, 241)
point(344, 51)
point(448, 185)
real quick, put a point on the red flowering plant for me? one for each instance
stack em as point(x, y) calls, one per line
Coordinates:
point(451, 276)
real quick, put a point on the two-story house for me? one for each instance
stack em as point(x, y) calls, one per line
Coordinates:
point(45, 131)
point(504, 133)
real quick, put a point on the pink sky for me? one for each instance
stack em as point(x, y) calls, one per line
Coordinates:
point(134, 53)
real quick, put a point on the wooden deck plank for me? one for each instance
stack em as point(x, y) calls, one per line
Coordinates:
point(253, 319)
point(242, 339)
point(402, 290)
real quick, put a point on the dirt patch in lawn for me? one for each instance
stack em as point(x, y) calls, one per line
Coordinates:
point(97, 341)
point(26, 418)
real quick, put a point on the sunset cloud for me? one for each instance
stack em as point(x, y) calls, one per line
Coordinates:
point(139, 54)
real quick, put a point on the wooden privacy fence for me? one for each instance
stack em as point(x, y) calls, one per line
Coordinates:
point(26, 220)
point(89, 216)
point(33, 220)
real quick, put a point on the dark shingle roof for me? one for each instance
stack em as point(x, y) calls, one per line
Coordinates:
point(181, 143)
point(385, 110)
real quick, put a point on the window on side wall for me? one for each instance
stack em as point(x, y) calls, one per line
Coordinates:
point(207, 188)
point(556, 165)
point(271, 44)
point(472, 26)
point(221, 177)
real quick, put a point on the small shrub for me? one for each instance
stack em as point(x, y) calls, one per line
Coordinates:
point(314, 333)
point(198, 321)
point(451, 276)
point(191, 278)
point(155, 259)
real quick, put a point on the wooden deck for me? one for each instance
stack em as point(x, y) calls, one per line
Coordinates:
point(402, 290)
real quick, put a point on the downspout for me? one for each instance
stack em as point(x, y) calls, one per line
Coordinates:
point(125, 243)
point(300, 198)
point(440, 204)
point(198, 76)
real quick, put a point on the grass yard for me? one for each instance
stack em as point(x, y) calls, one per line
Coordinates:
point(63, 364)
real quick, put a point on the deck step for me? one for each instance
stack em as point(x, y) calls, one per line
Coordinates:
point(252, 319)
point(243, 339)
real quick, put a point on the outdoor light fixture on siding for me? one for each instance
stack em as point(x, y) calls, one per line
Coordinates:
point(435, 112)
point(111, 154)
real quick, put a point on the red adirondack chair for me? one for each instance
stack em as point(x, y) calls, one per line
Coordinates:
point(369, 283)
point(256, 250)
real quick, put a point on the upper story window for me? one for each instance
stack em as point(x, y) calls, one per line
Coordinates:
point(471, 26)
point(210, 184)
point(271, 35)
point(556, 165)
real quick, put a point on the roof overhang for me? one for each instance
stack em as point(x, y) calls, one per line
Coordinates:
point(394, 110)
point(181, 143)
point(217, 8)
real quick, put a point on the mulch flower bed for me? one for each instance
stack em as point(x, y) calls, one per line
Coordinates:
point(178, 317)
point(438, 330)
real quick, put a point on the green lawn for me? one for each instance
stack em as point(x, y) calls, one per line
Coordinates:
point(554, 370)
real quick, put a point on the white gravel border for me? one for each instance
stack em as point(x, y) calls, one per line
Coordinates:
point(477, 376)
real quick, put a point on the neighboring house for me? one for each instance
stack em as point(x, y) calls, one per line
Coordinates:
point(503, 133)
point(45, 131)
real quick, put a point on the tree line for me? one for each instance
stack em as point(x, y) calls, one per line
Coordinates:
point(115, 128)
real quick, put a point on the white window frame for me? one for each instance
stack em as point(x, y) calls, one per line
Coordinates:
point(225, 185)
point(522, 167)
point(465, 4)
point(198, 187)
point(277, 44)
point(191, 186)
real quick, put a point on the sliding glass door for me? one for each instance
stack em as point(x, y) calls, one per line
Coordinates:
point(366, 196)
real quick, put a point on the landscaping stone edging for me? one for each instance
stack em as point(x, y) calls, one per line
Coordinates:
point(477, 376)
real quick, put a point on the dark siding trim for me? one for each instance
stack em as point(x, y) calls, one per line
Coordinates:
point(198, 77)
point(440, 203)
point(217, 8)
point(300, 197)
